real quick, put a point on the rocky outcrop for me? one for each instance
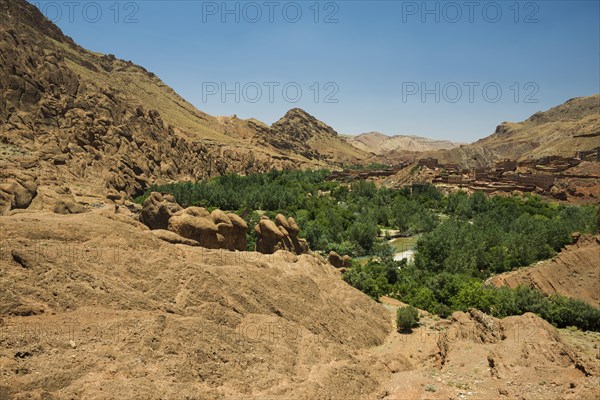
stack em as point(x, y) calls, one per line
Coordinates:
point(172, 237)
point(338, 261)
point(194, 226)
point(214, 230)
point(68, 207)
point(195, 223)
point(279, 235)
point(69, 117)
point(300, 133)
point(508, 346)
point(237, 240)
point(17, 190)
point(157, 209)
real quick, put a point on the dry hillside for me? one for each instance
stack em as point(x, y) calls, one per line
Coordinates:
point(380, 144)
point(575, 272)
point(96, 306)
point(71, 117)
point(561, 130)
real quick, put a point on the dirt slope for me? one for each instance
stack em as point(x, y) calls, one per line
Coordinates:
point(95, 306)
point(149, 319)
point(574, 272)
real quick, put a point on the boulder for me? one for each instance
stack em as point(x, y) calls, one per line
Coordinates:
point(17, 193)
point(281, 221)
point(338, 261)
point(158, 209)
point(279, 235)
point(213, 230)
point(191, 223)
point(293, 227)
point(238, 239)
point(68, 207)
point(346, 261)
point(269, 237)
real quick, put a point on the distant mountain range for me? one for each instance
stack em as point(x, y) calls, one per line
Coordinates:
point(72, 118)
point(380, 144)
point(562, 130)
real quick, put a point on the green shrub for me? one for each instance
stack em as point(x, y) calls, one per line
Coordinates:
point(430, 388)
point(442, 310)
point(407, 318)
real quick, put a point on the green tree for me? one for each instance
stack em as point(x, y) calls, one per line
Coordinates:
point(407, 318)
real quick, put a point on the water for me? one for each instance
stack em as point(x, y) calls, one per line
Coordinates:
point(404, 247)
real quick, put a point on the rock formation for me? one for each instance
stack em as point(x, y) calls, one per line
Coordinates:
point(68, 207)
point(279, 235)
point(17, 190)
point(338, 261)
point(72, 117)
point(157, 209)
point(195, 225)
point(215, 230)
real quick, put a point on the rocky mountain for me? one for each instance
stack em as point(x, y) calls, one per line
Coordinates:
point(380, 144)
point(303, 134)
point(561, 130)
point(74, 120)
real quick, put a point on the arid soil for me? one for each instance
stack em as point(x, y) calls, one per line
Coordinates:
point(95, 306)
point(474, 356)
point(574, 272)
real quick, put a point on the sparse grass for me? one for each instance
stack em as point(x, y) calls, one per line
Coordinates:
point(459, 385)
point(572, 328)
point(430, 388)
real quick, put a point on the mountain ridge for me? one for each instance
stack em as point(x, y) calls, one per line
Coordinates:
point(75, 121)
point(380, 144)
point(559, 131)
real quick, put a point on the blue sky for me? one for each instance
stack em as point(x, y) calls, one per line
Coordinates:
point(448, 70)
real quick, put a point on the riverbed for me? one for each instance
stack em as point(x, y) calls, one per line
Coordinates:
point(404, 247)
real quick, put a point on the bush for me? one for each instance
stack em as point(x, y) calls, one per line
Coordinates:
point(442, 310)
point(407, 318)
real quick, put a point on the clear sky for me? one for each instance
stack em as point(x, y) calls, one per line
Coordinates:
point(442, 69)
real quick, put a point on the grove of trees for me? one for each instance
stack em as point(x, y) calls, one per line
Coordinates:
point(463, 239)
